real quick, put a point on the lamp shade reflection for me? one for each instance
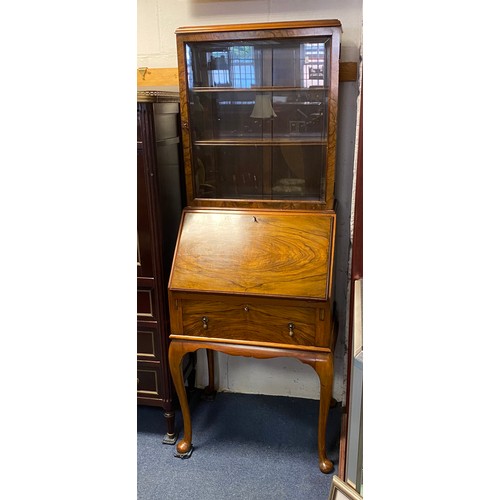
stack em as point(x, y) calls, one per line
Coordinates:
point(263, 107)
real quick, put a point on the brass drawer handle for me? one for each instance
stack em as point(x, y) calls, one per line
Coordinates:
point(205, 322)
point(291, 326)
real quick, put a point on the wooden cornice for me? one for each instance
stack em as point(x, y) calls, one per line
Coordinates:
point(147, 77)
point(261, 26)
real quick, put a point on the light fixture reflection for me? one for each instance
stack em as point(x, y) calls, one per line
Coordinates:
point(263, 107)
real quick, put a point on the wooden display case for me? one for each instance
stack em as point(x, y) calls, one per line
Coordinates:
point(259, 113)
point(252, 273)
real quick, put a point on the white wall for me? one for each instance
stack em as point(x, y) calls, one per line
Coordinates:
point(157, 21)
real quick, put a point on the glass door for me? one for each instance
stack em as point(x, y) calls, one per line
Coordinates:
point(258, 113)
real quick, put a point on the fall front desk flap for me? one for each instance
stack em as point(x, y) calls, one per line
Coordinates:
point(255, 252)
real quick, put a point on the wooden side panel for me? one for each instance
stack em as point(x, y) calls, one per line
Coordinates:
point(332, 118)
point(144, 225)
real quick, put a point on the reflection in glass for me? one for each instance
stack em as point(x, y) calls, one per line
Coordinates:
point(263, 107)
point(259, 118)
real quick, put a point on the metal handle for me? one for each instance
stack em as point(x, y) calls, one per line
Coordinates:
point(205, 322)
point(246, 308)
point(291, 326)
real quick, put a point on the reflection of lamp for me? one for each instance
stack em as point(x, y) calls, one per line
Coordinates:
point(262, 107)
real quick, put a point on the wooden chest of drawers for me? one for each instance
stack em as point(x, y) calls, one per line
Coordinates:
point(255, 283)
point(158, 214)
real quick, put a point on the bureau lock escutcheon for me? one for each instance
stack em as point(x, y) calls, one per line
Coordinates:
point(204, 321)
point(291, 326)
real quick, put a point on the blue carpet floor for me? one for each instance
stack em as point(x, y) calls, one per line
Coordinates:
point(245, 447)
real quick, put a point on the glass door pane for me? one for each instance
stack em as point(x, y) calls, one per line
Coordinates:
point(258, 114)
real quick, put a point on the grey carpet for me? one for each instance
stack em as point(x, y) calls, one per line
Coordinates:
point(245, 446)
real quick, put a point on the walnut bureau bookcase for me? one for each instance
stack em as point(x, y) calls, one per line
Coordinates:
point(252, 273)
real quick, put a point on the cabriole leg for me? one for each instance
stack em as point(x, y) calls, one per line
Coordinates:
point(175, 355)
point(324, 368)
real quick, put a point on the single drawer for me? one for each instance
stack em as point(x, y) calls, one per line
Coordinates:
point(148, 342)
point(148, 382)
point(247, 321)
point(145, 304)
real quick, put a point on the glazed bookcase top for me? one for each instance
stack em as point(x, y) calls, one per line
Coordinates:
point(258, 107)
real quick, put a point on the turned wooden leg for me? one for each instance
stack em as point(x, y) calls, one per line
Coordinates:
point(209, 393)
point(324, 369)
point(171, 436)
point(175, 355)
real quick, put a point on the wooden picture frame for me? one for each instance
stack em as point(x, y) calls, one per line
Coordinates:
point(342, 491)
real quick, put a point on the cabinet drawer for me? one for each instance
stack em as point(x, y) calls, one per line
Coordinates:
point(148, 381)
point(245, 321)
point(148, 342)
point(145, 304)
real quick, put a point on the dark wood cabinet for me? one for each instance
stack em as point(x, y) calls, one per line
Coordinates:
point(159, 206)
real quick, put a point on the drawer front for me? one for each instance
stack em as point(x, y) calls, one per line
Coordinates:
point(145, 304)
point(148, 342)
point(148, 381)
point(260, 323)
